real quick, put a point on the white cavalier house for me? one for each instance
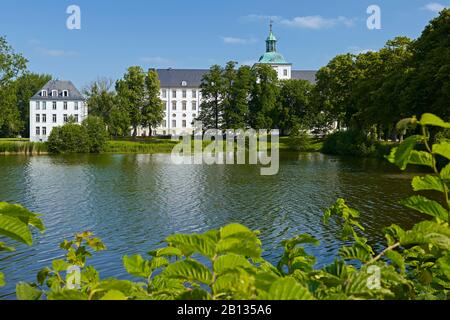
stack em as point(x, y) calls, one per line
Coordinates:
point(181, 94)
point(52, 106)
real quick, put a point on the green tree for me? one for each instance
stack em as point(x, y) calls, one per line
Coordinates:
point(131, 92)
point(153, 109)
point(12, 65)
point(427, 86)
point(229, 75)
point(236, 112)
point(101, 99)
point(97, 133)
point(334, 87)
point(119, 122)
point(25, 87)
point(69, 138)
point(294, 105)
point(264, 97)
point(212, 88)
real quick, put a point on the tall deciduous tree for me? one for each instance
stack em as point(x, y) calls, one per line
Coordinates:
point(212, 88)
point(264, 97)
point(25, 87)
point(294, 105)
point(236, 113)
point(229, 78)
point(428, 84)
point(12, 65)
point(153, 109)
point(131, 91)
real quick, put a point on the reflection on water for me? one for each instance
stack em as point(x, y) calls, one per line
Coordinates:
point(134, 201)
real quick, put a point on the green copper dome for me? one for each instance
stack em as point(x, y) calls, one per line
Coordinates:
point(272, 57)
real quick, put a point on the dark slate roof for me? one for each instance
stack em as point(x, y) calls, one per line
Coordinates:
point(174, 77)
point(59, 85)
point(309, 75)
point(171, 78)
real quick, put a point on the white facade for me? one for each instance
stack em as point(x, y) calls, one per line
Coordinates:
point(50, 108)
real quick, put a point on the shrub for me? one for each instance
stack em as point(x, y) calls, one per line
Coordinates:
point(70, 138)
point(350, 142)
point(299, 139)
point(98, 135)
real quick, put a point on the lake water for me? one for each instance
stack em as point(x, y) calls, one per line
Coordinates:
point(134, 201)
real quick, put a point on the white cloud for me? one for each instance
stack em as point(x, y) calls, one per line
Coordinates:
point(259, 17)
point(55, 52)
point(434, 7)
point(42, 50)
point(317, 22)
point(236, 40)
point(155, 60)
point(359, 50)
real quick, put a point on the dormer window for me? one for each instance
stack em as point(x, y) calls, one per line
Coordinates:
point(54, 93)
point(65, 93)
point(44, 93)
point(184, 83)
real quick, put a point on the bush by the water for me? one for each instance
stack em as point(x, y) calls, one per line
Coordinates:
point(299, 139)
point(91, 136)
point(354, 143)
point(97, 133)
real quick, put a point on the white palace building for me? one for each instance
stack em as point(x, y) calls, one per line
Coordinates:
point(180, 89)
point(180, 92)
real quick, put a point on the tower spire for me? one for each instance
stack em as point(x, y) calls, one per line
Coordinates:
point(271, 42)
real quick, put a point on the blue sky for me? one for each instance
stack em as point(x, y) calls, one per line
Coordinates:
point(196, 34)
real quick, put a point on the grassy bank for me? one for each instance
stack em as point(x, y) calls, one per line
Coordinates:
point(155, 145)
point(22, 146)
point(128, 145)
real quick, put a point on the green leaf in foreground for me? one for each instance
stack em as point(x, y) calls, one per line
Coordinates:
point(24, 291)
point(429, 119)
point(400, 156)
point(426, 206)
point(189, 270)
point(428, 182)
point(287, 289)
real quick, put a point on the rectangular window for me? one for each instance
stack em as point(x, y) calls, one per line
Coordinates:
point(44, 131)
point(164, 94)
point(174, 93)
point(184, 123)
point(54, 118)
point(285, 72)
point(184, 94)
point(164, 124)
point(38, 105)
point(54, 105)
point(76, 105)
point(65, 105)
point(38, 118)
point(44, 105)
point(184, 105)
point(44, 118)
point(194, 105)
point(38, 131)
point(76, 118)
point(194, 93)
point(174, 105)
point(174, 123)
point(65, 118)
